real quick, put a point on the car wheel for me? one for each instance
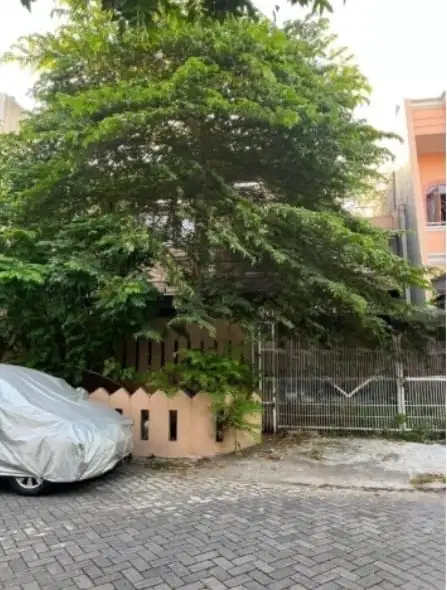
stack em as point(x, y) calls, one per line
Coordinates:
point(27, 486)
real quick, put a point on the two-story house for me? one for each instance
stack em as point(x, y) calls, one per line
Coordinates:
point(416, 197)
point(426, 124)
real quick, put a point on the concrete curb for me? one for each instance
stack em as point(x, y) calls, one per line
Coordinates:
point(388, 481)
point(432, 489)
point(369, 488)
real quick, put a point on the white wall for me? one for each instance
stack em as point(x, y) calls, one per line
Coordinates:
point(11, 113)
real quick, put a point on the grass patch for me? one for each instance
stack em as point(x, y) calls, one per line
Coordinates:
point(424, 479)
point(161, 464)
point(315, 453)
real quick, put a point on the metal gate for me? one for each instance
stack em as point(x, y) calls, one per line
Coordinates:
point(351, 389)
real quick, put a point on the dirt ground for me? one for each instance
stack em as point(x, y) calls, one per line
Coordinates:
point(306, 459)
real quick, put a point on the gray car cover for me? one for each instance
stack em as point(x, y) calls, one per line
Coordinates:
point(50, 430)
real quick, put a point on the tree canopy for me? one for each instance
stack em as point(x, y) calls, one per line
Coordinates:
point(131, 9)
point(216, 154)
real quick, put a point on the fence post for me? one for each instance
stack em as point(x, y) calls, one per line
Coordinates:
point(257, 356)
point(400, 384)
point(265, 348)
point(274, 378)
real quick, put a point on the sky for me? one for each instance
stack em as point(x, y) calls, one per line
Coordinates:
point(398, 44)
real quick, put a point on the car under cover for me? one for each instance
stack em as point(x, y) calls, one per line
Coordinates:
point(50, 430)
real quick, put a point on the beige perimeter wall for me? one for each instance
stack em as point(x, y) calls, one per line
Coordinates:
point(178, 426)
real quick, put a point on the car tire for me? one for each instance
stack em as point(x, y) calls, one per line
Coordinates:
point(27, 486)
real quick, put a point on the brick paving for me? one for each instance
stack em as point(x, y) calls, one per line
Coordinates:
point(137, 529)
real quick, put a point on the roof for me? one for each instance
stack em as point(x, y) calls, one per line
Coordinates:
point(422, 103)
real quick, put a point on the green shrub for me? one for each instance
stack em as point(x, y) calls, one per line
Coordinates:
point(229, 382)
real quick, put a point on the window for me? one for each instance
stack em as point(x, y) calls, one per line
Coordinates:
point(436, 206)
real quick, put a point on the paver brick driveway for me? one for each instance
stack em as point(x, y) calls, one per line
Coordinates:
point(142, 529)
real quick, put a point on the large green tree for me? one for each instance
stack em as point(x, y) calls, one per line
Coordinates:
point(72, 294)
point(217, 154)
point(133, 9)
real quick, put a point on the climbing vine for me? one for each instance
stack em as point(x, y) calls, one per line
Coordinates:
point(229, 382)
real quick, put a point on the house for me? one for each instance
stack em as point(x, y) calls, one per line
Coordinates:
point(416, 196)
point(426, 123)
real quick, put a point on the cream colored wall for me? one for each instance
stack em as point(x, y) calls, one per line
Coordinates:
point(195, 425)
point(196, 429)
point(419, 209)
point(11, 113)
point(384, 221)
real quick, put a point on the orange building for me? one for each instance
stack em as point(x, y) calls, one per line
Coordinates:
point(426, 124)
point(416, 197)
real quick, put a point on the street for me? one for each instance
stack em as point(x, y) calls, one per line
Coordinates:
point(138, 528)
